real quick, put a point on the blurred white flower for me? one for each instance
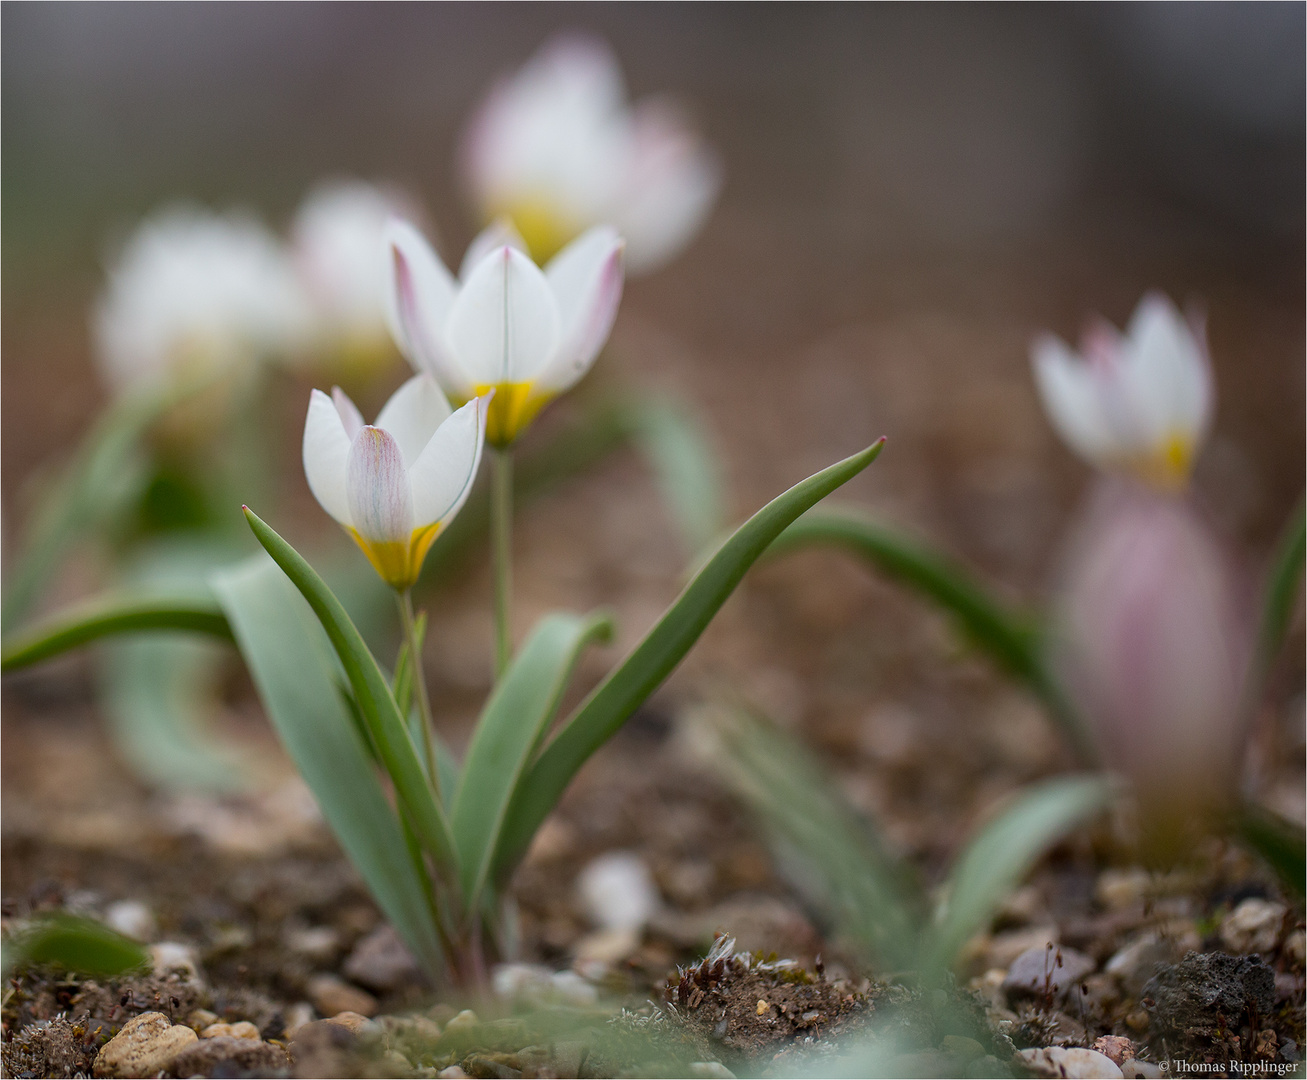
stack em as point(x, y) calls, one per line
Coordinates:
point(1154, 639)
point(1141, 402)
point(504, 324)
point(336, 241)
point(556, 148)
point(395, 483)
point(193, 294)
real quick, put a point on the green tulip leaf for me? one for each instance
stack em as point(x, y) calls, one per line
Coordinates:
point(1281, 592)
point(300, 681)
point(510, 730)
point(654, 658)
point(1006, 849)
point(390, 732)
point(1280, 842)
point(74, 943)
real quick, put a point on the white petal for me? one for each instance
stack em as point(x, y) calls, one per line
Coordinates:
point(350, 417)
point(671, 184)
point(412, 415)
point(420, 293)
point(1170, 374)
point(586, 277)
point(376, 483)
point(442, 476)
point(499, 233)
point(1071, 398)
point(505, 324)
point(326, 456)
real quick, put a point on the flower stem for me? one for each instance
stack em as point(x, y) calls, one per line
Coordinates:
point(419, 678)
point(501, 525)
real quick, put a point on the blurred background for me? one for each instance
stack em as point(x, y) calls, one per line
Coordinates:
point(911, 193)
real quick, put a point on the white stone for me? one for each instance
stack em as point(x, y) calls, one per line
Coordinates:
point(1071, 1062)
point(618, 891)
point(132, 918)
point(1253, 927)
point(173, 956)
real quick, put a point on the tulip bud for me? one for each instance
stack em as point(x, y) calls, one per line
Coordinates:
point(1154, 639)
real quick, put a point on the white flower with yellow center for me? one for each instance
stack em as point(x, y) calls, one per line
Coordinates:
point(336, 242)
point(1139, 402)
point(195, 294)
point(556, 148)
point(504, 324)
point(394, 484)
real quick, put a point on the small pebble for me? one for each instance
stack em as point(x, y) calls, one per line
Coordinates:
point(1037, 971)
point(331, 994)
point(318, 943)
point(710, 1070)
point(200, 1019)
point(146, 1045)
point(171, 957)
point(1295, 947)
point(618, 891)
point(132, 918)
point(296, 1017)
point(1070, 1062)
point(382, 962)
point(1117, 889)
point(1253, 927)
point(462, 1022)
point(452, 1073)
point(1141, 1070)
point(241, 1030)
point(1116, 1047)
point(359, 1024)
point(228, 1056)
point(395, 1063)
point(608, 946)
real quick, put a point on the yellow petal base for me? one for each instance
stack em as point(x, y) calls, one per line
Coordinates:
point(545, 230)
point(1167, 468)
point(511, 410)
point(397, 563)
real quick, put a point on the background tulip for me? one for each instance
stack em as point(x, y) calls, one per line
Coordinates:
point(556, 148)
point(1139, 402)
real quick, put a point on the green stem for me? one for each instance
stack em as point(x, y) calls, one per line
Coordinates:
point(501, 519)
point(405, 599)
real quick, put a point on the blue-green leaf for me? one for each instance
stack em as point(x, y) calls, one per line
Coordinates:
point(511, 727)
point(1006, 849)
point(652, 660)
point(390, 733)
point(298, 678)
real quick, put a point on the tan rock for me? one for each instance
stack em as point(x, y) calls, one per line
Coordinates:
point(331, 994)
point(200, 1019)
point(355, 1022)
point(244, 1056)
point(1117, 1047)
point(1253, 927)
point(1070, 1063)
point(243, 1029)
point(146, 1045)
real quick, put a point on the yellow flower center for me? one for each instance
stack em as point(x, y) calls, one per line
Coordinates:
point(398, 563)
point(544, 228)
point(1168, 466)
point(512, 409)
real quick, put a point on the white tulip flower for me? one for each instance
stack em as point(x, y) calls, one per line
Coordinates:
point(336, 242)
point(1141, 402)
point(394, 484)
point(503, 324)
point(556, 148)
point(194, 294)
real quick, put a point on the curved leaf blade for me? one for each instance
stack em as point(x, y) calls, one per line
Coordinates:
point(652, 660)
point(511, 727)
point(74, 943)
point(298, 678)
point(838, 860)
point(1005, 850)
point(372, 691)
point(110, 615)
point(1011, 638)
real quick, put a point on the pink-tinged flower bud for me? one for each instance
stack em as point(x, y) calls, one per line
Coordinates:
point(1154, 640)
